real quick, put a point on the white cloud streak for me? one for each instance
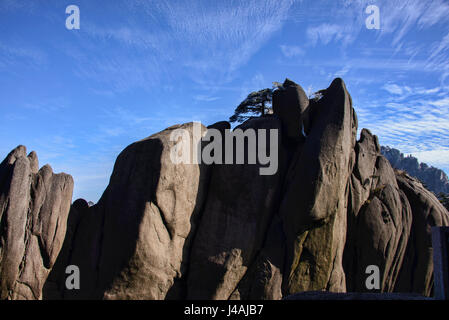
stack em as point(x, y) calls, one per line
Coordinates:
point(208, 42)
point(292, 51)
point(413, 119)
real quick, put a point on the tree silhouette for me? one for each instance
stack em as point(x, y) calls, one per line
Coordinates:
point(257, 102)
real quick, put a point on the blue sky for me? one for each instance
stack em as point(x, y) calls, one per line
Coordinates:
point(78, 97)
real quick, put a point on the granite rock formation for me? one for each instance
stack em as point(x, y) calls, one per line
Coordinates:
point(34, 205)
point(162, 230)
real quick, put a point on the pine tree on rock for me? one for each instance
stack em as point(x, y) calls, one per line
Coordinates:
point(256, 103)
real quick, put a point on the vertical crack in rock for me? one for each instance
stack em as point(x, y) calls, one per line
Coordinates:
point(164, 221)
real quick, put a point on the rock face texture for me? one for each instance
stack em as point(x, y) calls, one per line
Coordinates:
point(293, 119)
point(435, 179)
point(379, 219)
point(171, 229)
point(427, 212)
point(134, 243)
point(239, 206)
point(34, 205)
point(313, 208)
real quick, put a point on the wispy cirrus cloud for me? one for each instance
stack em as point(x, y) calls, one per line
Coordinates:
point(438, 157)
point(206, 41)
point(206, 98)
point(343, 21)
point(47, 105)
point(327, 32)
point(395, 89)
point(292, 51)
point(227, 33)
point(13, 5)
point(13, 55)
point(413, 119)
point(402, 17)
point(136, 67)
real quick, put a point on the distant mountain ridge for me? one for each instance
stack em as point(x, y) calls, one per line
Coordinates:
point(435, 179)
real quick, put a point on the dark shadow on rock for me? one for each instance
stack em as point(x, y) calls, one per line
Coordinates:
point(133, 185)
point(232, 230)
point(55, 285)
point(179, 288)
point(102, 239)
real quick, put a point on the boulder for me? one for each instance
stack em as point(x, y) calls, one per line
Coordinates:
point(34, 205)
point(313, 208)
point(416, 274)
point(381, 235)
point(149, 210)
point(379, 219)
point(290, 104)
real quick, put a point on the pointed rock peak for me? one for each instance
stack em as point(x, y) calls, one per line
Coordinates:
point(20, 149)
point(46, 170)
point(367, 137)
point(34, 162)
point(289, 83)
point(19, 152)
point(337, 90)
point(290, 105)
point(32, 155)
point(336, 84)
point(364, 134)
